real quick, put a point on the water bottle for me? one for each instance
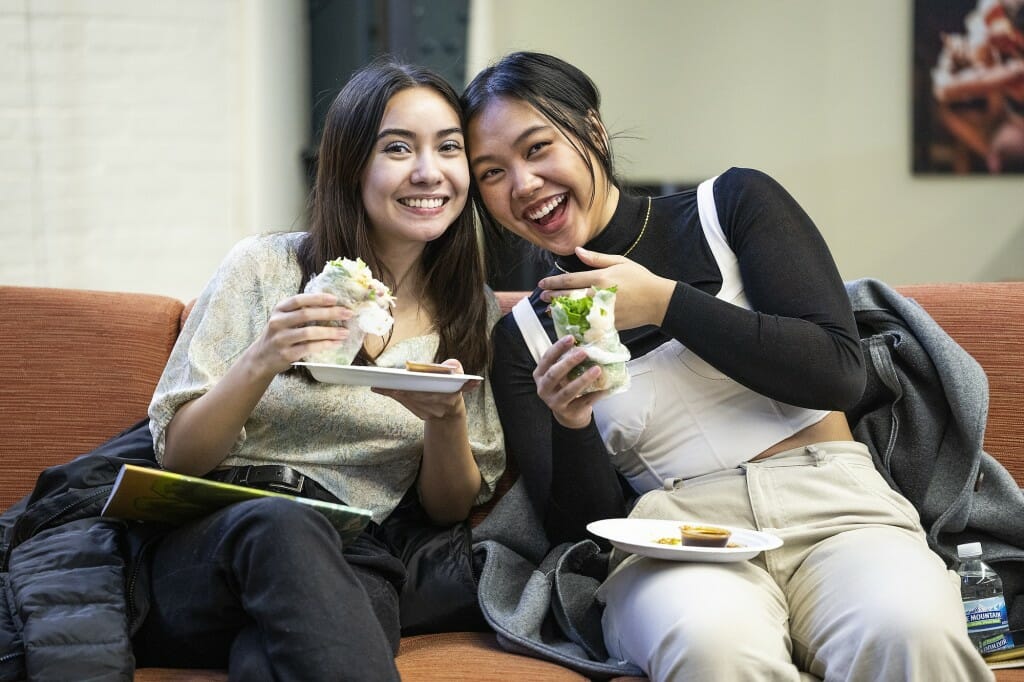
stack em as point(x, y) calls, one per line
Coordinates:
point(984, 605)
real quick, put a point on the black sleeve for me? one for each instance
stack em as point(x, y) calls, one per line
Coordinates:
point(567, 472)
point(799, 344)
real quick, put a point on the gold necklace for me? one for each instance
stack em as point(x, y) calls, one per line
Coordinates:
point(632, 246)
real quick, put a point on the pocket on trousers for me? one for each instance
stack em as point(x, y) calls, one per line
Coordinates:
point(865, 476)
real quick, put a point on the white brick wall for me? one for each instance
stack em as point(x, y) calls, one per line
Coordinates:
point(121, 134)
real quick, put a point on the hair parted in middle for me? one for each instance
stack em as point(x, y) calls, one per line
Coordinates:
point(453, 270)
point(558, 90)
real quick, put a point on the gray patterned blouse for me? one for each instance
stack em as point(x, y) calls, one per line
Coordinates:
point(363, 447)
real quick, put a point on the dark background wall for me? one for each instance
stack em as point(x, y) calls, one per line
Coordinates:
point(347, 34)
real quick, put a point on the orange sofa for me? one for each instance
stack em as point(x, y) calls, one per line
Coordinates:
point(77, 367)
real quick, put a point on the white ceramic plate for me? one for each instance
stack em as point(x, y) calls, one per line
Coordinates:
point(640, 536)
point(386, 377)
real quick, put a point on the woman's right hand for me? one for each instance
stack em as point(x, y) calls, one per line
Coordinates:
point(562, 394)
point(203, 431)
point(295, 330)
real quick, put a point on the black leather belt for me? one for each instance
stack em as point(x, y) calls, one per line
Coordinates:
point(276, 477)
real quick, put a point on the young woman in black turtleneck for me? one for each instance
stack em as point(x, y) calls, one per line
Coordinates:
point(744, 354)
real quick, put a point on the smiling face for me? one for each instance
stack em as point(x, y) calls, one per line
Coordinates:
point(416, 181)
point(534, 181)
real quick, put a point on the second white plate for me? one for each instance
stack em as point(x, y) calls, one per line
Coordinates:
point(640, 536)
point(386, 377)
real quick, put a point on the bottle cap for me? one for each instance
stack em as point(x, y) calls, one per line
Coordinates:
point(968, 549)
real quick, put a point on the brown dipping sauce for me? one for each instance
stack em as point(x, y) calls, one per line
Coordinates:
point(704, 536)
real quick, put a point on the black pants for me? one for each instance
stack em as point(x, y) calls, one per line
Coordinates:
point(263, 588)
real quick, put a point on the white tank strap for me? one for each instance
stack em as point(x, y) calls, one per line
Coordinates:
point(533, 331)
point(732, 285)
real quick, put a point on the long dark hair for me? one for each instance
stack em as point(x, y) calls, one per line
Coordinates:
point(453, 271)
point(561, 93)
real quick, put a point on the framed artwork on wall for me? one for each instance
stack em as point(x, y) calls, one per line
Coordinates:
point(968, 87)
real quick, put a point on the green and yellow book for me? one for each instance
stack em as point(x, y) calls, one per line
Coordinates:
point(149, 494)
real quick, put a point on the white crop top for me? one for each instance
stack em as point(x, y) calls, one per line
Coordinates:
point(681, 417)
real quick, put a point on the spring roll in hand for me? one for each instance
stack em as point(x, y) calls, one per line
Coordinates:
point(353, 283)
point(590, 319)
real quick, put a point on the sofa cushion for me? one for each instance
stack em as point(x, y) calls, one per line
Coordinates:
point(472, 656)
point(468, 656)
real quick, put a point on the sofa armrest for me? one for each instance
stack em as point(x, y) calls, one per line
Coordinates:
point(77, 367)
point(987, 320)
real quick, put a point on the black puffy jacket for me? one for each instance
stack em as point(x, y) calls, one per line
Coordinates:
point(71, 583)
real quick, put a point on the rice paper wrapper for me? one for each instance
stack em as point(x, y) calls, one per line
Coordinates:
point(591, 321)
point(368, 298)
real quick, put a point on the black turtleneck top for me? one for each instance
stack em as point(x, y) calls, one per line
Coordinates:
point(798, 344)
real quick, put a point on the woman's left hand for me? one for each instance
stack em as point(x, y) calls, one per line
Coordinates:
point(641, 297)
point(429, 405)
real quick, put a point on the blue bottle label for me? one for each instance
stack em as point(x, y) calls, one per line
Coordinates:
point(985, 614)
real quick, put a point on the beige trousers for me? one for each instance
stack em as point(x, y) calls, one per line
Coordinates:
point(854, 593)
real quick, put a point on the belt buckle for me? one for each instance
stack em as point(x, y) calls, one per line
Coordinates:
point(294, 489)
